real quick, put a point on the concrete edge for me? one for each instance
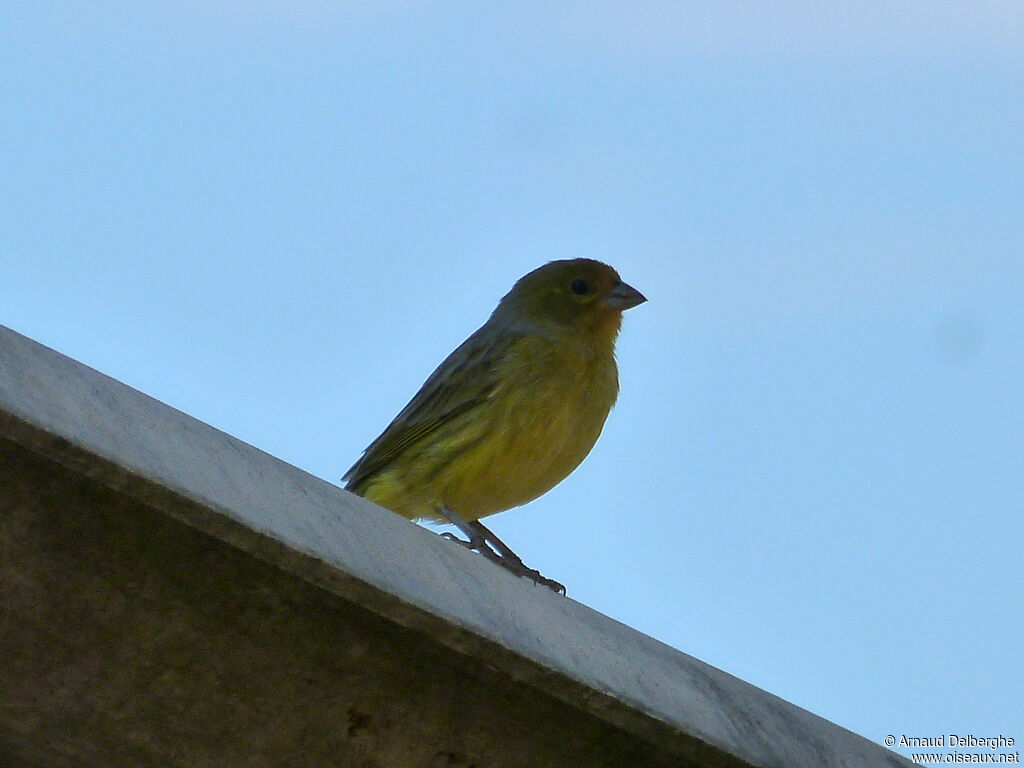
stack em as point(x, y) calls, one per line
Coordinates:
point(112, 434)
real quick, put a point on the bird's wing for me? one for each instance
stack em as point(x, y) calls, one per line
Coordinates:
point(465, 380)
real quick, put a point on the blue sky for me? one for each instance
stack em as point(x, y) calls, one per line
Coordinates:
point(280, 216)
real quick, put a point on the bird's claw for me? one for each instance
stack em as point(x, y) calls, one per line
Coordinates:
point(533, 575)
point(476, 545)
point(509, 562)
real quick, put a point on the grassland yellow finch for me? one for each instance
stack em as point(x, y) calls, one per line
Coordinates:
point(511, 412)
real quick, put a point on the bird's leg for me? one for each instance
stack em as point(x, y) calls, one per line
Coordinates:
point(480, 539)
point(500, 546)
point(475, 540)
point(511, 560)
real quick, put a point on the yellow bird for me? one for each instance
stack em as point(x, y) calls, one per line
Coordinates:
point(511, 412)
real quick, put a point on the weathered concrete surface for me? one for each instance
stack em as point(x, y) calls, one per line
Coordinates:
point(170, 596)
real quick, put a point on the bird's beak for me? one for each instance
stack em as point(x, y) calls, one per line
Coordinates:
point(623, 296)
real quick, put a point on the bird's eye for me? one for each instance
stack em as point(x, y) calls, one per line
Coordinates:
point(580, 287)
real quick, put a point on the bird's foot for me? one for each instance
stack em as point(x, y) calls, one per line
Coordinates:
point(516, 566)
point(510, 562)
point(475, 544)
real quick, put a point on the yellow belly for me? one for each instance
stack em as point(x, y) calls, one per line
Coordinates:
point(521, 443)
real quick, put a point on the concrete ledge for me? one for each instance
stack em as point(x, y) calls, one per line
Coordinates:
point(171, 596)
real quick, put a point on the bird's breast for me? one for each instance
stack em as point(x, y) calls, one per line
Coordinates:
point(543, 421)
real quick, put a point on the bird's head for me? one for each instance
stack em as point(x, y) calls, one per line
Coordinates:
point(581, 295)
